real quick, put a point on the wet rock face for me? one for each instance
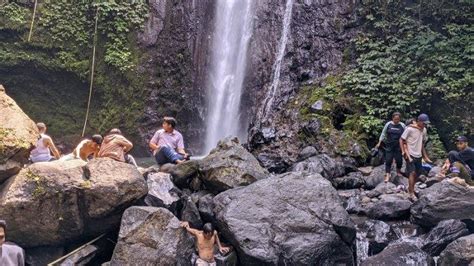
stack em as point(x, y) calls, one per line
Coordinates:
point(294, 218)
point(459, 252)
point(442, 201)
point(175, 46)
point(18, 134)
point(318, 33)
point(400, 254)
point(152, 236)
point(52, 203)
point(443, 234)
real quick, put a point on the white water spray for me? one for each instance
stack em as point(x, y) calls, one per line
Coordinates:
point(269, 99)
point(233, 30)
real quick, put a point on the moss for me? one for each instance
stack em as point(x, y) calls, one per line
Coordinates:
point(39, 183)
point(86, 184)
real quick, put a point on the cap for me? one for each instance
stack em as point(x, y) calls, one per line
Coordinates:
point(461, 139)
point(424, 118)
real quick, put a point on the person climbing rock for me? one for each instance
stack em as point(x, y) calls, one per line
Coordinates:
point(116, 146)
point(412, 147)
point(10, 254)
point(85, 149)
point(167, 144)
point(390, 136)
point(206, 240)
point(44, 146)
point(460, 163)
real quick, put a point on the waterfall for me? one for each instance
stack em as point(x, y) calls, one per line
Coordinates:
point(232, 32)
point(268, 101)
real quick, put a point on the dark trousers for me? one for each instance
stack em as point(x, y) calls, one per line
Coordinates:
point(390, 155)
point(167, 155)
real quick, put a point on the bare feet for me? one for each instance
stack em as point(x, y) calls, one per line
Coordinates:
point(386, 178)
point(179, 161)
point(413, 197)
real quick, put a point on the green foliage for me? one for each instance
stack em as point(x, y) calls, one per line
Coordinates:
point(412, 58)
point(12, 15)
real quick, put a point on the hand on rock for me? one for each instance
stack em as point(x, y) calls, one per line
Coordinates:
point(184, 224)
point(224, 250)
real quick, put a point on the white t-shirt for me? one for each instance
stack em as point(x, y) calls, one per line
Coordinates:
point(415, 139)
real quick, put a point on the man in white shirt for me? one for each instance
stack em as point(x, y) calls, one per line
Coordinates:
point(413, 150)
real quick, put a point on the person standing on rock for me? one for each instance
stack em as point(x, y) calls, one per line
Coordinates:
point(116, 146)
point(461, 162)
point(10, 254)
point(412, 147)
point(167, 144)
point(206, 240)
point(44, 146)
point(390, 136)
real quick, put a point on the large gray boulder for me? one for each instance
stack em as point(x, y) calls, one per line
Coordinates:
point(443, 201)
point(390, 207)
point(18, 135)
point(162, 192)
point(152, 236)
point(444, 233)
point(230, 165)
point(459, 252)
point(400, 254)
point(56, 202)
point(321, 164)
point(350, 181)
point(291, 219)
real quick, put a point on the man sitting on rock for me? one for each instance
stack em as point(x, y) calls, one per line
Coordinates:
point(461, 162)
point(116, 146)
point(206, 240)
point(167, 144)
point(10, 254)
point(44, 146)
point(85, 149)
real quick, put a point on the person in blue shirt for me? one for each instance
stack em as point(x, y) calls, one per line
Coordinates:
point(390, 136)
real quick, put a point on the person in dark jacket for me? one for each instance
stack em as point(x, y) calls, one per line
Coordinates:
point(390, 136)
point(461, 162)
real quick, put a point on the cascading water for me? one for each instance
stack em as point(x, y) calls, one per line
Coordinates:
point(233, 30)
point(269, 99)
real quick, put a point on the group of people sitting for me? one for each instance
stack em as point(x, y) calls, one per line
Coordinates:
point(167, 146)
point(408, 141)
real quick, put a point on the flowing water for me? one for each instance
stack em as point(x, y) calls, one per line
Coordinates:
point(232, 32)
point(269, 99)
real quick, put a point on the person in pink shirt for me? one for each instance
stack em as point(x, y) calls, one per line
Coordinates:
point(167, 144)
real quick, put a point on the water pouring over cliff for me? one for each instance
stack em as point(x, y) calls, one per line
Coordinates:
point(232, 32)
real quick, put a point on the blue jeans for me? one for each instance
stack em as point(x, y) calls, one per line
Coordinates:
point(167, 155)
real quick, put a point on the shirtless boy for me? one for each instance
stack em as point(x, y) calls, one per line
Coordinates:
point(85, 149)
point(206, 240)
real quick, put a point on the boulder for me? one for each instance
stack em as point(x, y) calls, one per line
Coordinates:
point(206, 208)
point(400, 254)
point(441, 235)
point(56, 202)
point(390, 207)
point(18, 135)
point(190, 213)
point(379, 234)
point(307, 152)
point(375, 177)
point(350, 181)
point(152, 236)
point(291, 219)
point(230, 165)
point(459, 252)
point(182, 173)
point(443, 201)
point(321, 164)
point(162, 192)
